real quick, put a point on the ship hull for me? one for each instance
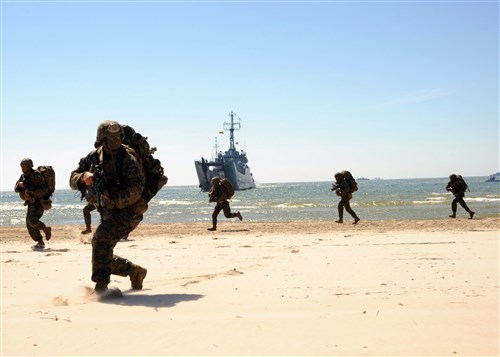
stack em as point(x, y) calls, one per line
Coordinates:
point(235, 171)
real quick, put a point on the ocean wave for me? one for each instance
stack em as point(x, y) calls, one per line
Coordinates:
point(384, 203)
point(437, 199)
point(428, 202)
point(12, 221)
point(288, 205)
point(67, 207)
point(481, 199)
point(176, 202)
point(12, 206)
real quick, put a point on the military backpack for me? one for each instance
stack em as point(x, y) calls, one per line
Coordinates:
point(154, 172)
point(352, 182)
point(228, 188)
point(462, 183)
point(49, 176)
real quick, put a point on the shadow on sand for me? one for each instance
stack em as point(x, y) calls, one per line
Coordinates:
point(235, 230)
point(154, 301)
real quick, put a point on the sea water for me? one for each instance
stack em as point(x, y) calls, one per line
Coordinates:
point(376, 199)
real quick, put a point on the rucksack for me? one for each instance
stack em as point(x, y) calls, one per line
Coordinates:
point(154, 172)
point(49, 176)
point(462, 183)
point(228, 188)
point(352, 182)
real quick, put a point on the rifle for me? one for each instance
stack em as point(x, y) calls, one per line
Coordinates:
point(25, 190)
point(336, 188)
point(100, 183)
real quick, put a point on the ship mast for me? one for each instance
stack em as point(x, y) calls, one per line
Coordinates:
point(216, 147)
point(232, 127)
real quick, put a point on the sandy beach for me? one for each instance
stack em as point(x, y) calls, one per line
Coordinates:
point(381, 288)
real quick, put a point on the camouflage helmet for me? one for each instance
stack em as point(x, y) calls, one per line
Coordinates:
point(27, 162)
point(215, 180)
point(453, 177)
point(107, 127)
point(338, 176)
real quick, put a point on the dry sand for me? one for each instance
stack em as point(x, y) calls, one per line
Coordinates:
point(290, 288)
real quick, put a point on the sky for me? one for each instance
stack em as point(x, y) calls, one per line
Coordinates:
point(390, 89)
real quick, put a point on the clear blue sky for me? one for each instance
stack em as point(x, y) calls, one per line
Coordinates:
point(400, 89)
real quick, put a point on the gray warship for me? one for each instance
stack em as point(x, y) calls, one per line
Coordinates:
point(232, 164)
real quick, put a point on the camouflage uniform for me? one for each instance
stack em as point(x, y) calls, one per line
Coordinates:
point(121, 213)
point(344, 191)
point(35, 184)
point(217, 194)
point(456, 187)
point(89, 207)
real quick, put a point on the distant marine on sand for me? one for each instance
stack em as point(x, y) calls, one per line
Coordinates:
point(232, 164)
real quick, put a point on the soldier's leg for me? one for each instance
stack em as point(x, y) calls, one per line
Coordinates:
point(217, 209)
point(87, 218)
point(86, 213)
point(454, 206)
point(104, 261)
point(464, 205)
point(227, 210)
point(351, 212)
point(124, 267)
point(33, 223)
point(340, 208)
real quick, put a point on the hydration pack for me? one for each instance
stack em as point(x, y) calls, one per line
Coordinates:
point(49, 176)
point(352, 182)
point(154, 172)
point(228, 188)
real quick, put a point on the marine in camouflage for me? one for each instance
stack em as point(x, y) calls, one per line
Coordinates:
point(343, 189)
point(217, 194)
point(122, 203)
point(457, 186)
point(32, 188)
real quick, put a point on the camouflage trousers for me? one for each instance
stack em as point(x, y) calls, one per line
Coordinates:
point(344, 203)
point(459, 199)
point(222, 206)
point(116, 224)
point(86, 213)
point(33, 223)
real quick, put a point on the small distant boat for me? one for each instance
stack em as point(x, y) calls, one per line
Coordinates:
point(494, 178)
point(363, 179)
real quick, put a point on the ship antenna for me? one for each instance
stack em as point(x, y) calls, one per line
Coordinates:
point(232, 127)
point(216, 148)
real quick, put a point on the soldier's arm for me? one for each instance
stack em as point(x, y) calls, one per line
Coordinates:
point(83, 166)
point(19, 188)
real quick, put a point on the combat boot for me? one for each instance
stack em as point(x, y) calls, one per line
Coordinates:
point(48, 232)
point(240, 217)
point(103, 292)
point(87, 230)
point(100, 286)
point(137, 275)
point(39, 244)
